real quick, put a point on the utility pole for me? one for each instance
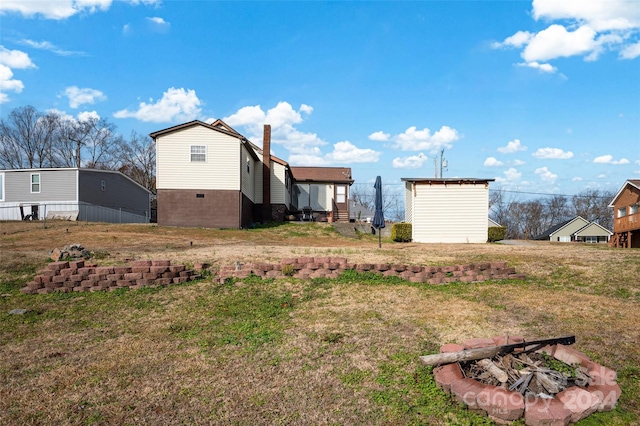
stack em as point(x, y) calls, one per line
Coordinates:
point(443, 162)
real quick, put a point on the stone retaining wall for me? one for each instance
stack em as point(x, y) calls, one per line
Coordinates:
point(569, 406)
point(81, 276)
point(333, 267)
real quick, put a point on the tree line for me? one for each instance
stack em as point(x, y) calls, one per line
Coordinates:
point(31, 139)
point(525, 219)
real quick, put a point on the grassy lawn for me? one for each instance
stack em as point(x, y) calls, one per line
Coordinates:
point(290, 351)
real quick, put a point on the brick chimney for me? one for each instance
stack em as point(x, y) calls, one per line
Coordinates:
point(266, 174)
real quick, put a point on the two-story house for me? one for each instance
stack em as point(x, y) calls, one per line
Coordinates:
point(626, 217)
point(211, 176)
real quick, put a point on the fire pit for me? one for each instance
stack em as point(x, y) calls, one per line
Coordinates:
point(552, 384)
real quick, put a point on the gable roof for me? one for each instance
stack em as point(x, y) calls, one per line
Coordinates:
point(220, 126)
point(584, 228)
point(322, 174)
point(633, 182)
point(554, 229)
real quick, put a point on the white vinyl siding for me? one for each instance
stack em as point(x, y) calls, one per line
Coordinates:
point(175, 170)
point(278, 184)
point(408, 202)
point(248, 179)
point(451, 213)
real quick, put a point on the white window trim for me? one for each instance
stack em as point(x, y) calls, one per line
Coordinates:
point(622, 211)
point(191, 153)
point(39, 183)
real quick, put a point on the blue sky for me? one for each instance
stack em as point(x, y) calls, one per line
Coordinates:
point(543, 96)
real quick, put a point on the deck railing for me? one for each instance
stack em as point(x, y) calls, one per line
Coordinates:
point(627, 223)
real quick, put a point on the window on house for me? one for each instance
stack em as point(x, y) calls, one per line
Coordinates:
point(341, 194)
point(622, 212)
point(103, 185)
point(198, 153)
point(633, 208)
point(35, 183)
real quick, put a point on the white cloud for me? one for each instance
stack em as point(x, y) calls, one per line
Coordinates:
point(602, 176)
point(546, 175)
point(511, 176)
point(418, 140)
point(88, 115)
point(632, 51)
point(282, 119)
point(412, 162)
point(46, 45)
point(60, 9)
point(602, 15)
point(158, 24)
point(548, 68)
point(175, 105)
point(578, 28)
point(492, 162)
point(519, 39)
point(379, 136)
point(157, 20)
point(303, 147)
point(552, 153)
point(518, 162)
point(608, 159)
point(556, 42)
point(512, 146)
point(8, 83)
point(15, 59)
point(9, 60)
point(78, 96)
point(347, 153)
point(576, 179)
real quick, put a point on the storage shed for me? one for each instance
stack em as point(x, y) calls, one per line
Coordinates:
point(447, 210)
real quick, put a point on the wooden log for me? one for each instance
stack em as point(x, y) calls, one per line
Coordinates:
point(489, 352)
point(494, 370)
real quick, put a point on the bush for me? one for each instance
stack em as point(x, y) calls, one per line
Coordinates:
point(401, 232)
point(497, 233)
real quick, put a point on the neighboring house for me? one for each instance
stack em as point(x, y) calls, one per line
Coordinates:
point(360, 212)
point(325, 190)
point(626, 215)
point(447, 210)
point(577, 229)
point(210, 176)
point(72, 193)
point(492, 223)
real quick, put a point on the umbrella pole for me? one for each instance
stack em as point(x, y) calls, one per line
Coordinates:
point(379, 239)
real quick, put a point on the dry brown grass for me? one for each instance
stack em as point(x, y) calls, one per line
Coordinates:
point(335, 356)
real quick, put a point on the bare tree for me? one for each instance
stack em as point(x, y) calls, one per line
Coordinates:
point(137, 159)
point(593, 205)
point(98, 137)
point(393, 201)
point(26, 138)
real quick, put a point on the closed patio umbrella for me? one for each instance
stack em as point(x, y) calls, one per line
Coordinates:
point(378, 217)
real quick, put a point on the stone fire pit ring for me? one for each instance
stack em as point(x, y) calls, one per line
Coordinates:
point(569, 406)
